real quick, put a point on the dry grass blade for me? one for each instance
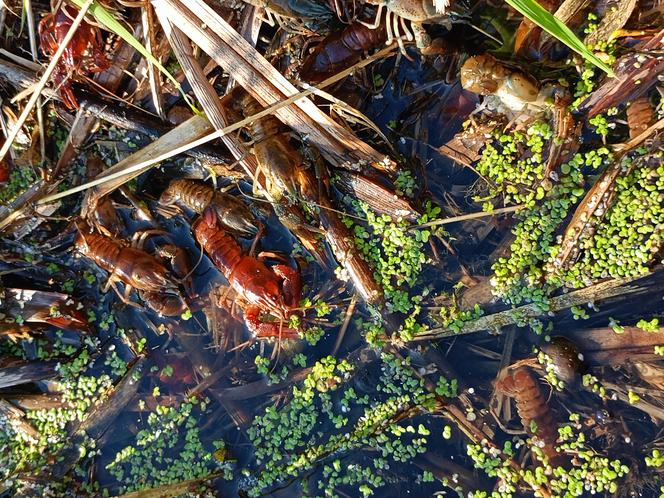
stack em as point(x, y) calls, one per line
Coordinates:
point(349, 113)
point(15, 417)
point(221, 42)
point(613, 20)
point(496, 321)
point(178, 140)
point(469, 216)
point(44, 79)
point(22, 78)
point(379, 198)
point(32, 35)
point(217, 114)
point(640, 116)
point(639, 139)
point(204, 92)
point(567, 11)
point(148, 21)
point(172, 143)
point(566, 142)
point(170, 490)
point(602, 346)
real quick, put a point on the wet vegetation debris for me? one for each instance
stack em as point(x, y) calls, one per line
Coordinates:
point(331, 248)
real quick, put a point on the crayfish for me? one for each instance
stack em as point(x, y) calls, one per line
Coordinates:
point(282, 166)
point(83, 54)
point(261, 289)
point(417, 12)
point(519, 383)
point(340, 50)
point(136, 269)
point(486, 75)
point(232, 213)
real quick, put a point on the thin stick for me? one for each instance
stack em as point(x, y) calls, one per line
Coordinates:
point(216, 134)
point(44, 79)
point(624, 147)
point(25, 63)
point(32, 35)
point(469, 216)
point(148, 21)
point(344, 326)
point(5, 130)
point(3, 15)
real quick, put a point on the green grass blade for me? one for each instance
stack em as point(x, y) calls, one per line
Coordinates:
point(549, 23)
point(106, 19)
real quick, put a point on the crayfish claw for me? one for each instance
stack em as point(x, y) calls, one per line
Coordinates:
point(291, 285)
point(267, 330)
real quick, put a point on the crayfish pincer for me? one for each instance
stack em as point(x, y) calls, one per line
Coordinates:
point(261, 289)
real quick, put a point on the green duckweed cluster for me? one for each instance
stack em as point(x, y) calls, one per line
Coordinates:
point(590, 75)
point(79, 392)
point(151, 460)
point(454, 318)
point(630, 234)
point(651, 325)
point(654, 459)
point(624, 242)
point(495, 463)
point(550, 368)
point(326, 420)
point(405, 183)
point(520, 277)
point(590, 474)
point(20, 179)
point(514, 164)
point(395, 252)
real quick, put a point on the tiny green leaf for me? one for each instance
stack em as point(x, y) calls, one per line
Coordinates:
point(549, 23)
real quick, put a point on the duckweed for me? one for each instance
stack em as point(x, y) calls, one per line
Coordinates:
point(290, 442)
point(628, 237)
point(514, 164)
point(20, 179)
point(148, 463)
point(591, 474)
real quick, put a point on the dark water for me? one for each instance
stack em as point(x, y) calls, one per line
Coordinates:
point(418, 110)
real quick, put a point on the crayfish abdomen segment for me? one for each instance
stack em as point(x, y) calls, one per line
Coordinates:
point(194, 195)
point(102, 250)
point(231, 212)
point(224, 252)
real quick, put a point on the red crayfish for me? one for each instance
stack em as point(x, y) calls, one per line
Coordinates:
point(261, 289)
point(83, 54)
point(532, 405)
